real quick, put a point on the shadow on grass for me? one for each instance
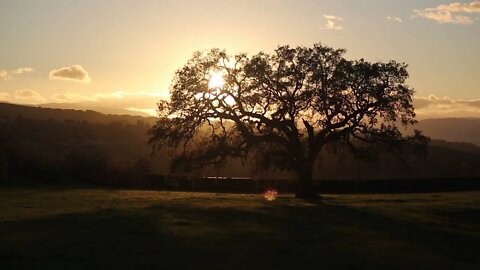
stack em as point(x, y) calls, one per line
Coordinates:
point(284, 237)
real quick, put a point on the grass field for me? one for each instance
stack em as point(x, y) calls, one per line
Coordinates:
point(109, 229)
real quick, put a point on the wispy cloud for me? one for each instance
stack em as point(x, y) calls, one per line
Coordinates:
point(4, 96)
point(9, 74)
point(332, 22)
point(4, 75)
point(453, 13)
point(22, 70)
point(446, 106)
point(28, 96)
point(71, 98)
point(396, 19)
point(134, 101)
point(149, 111)
point(75, 73)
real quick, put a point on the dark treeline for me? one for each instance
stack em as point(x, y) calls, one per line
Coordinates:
point(113, 151)
point(11, 111)
point(60, 151)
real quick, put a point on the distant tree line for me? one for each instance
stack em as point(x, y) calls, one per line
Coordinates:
point(49, 151)
point(116, 154)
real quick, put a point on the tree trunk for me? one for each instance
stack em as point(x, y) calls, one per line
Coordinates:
point(305, 182)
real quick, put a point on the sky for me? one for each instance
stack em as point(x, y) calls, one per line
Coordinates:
point(123, 54)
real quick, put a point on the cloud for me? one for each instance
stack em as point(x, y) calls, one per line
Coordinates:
point(445, 106)
point(397, 19)
point(22, 70)
point(75, 73)
point(28, 96)
point(124, 99)
point(151, 111)
point(71, 98)
point(332, 22)
point(4, 96)
point(134, 101)
point(7, 75)
point(4, 75)
point(118, 99)
point(450, 13)
point(145, 102)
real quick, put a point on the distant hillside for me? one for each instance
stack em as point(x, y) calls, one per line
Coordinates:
point(447, 129)
point(9, 111)
point(458, 146)
point(452, 129)
point(74, 144)
point(92, 107)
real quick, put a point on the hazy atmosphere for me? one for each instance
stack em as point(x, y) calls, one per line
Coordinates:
point(265, 134)
point(123, 54)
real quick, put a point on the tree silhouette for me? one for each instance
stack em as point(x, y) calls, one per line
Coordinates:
point(283, 107)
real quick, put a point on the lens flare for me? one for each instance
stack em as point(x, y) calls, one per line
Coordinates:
point(270, 194)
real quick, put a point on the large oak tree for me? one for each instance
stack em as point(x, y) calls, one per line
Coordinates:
point(282, 107)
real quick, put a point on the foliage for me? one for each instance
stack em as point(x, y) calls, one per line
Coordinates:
point(284, 107)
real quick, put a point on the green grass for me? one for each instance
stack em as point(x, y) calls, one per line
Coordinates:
point(108, 229)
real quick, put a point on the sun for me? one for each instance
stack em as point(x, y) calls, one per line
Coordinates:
point(216, 80)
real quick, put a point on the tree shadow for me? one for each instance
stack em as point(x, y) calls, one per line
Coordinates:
point(273, 236)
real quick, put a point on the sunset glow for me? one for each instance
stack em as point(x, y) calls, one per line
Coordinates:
point(253, 134)
point(216, 80)
point(135, 47)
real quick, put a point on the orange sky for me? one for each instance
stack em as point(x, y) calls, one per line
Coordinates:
point(122, 54)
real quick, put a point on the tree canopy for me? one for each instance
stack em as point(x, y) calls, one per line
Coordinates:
point(284, 107)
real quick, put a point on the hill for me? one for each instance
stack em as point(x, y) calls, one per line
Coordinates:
point(64, 145)
point(465, 130)
point(92, 107)
point(452, 129)
point(11, 111)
